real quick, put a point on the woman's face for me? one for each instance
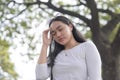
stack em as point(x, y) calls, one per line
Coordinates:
point(61, 32)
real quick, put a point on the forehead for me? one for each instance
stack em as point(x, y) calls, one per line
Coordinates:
point(56, 24)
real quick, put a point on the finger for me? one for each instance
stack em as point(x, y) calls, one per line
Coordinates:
point(47, 30)
point(51, 38)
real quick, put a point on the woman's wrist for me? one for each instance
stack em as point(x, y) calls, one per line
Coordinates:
point(45, 45)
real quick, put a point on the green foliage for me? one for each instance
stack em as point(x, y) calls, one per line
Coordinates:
point(29, 0)
point(60, 3)
point(5, 64)
point(88, 34)
point(12, 11)
point(35, 13)
point(24, 24)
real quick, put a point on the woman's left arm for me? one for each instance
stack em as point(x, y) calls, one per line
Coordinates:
point(93, 62)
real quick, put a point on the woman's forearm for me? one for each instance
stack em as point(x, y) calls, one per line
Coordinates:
point(43, 55)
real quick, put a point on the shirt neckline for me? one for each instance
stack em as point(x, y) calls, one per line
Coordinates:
point(80, 44)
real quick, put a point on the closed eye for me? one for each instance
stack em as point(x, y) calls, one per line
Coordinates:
point(53, 33)
point(60, 29)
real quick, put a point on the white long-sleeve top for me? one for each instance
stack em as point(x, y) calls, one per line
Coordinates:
point(81, 62)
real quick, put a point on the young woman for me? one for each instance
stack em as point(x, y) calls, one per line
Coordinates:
point(71, 57)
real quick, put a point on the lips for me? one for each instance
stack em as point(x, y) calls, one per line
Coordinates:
point(60, 39)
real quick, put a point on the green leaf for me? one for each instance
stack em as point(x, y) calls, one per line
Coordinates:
point(60, 3)
point(24, 24)
point(5, 63)
point(12, 11)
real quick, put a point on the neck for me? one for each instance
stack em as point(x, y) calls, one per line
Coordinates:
point(71, 44)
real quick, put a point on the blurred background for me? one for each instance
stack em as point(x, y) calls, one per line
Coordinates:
point(22, 23)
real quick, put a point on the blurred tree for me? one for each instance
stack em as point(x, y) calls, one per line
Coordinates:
point(101, 18)
point(7, 71)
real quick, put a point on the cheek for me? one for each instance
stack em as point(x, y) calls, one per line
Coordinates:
point(68, 32)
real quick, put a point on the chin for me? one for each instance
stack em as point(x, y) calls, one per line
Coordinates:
point(62, 43)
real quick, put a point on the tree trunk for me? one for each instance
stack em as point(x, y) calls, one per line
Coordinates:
point(109, 70)
point(118, 67)
point(109, 61)
point(110, 66)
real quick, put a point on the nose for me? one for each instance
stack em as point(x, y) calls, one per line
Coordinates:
point(58, 34)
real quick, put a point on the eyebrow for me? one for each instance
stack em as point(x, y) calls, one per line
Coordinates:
point(55, 29)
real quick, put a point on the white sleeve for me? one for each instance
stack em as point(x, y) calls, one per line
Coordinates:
point(42, 71)
point(93, 61)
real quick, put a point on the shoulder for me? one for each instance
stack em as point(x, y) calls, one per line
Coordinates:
point(88, 45)
point(84, 46)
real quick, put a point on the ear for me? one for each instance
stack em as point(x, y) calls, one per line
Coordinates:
point(71, 27)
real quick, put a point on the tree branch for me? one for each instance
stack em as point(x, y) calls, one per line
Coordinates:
point(80, 3)
point(97, 35)
point(95, 25)
point(116, 42)
point(70, 5)
point(51, 6)
point(46, 11)
point(49, 1)
point(107, 11)
point(28, 4)
point(94, 12)
point(4, 4)
point(109, 27)
point(15, 15)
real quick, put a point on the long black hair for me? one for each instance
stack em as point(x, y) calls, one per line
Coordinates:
point(56, 48)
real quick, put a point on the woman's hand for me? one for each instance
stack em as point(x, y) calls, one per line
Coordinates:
point(46, 38)
point(46, 42)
